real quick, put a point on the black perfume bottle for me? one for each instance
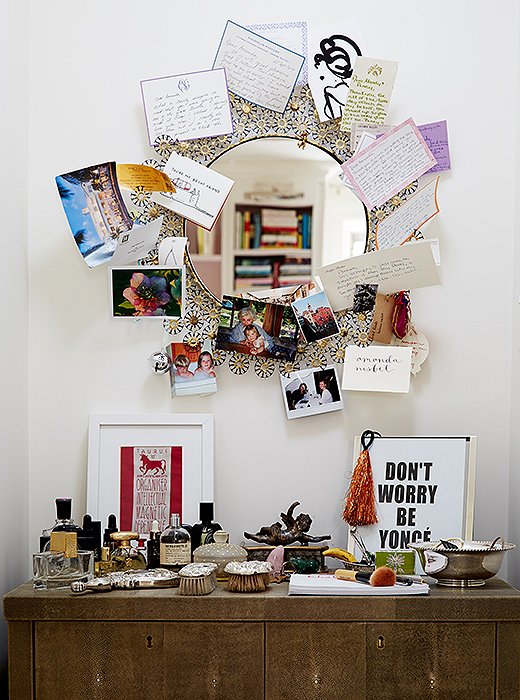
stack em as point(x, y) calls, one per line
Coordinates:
point(202, 533)
point(111, 527)
point(153, 547)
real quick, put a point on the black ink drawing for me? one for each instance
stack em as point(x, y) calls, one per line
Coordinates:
point(336, 64)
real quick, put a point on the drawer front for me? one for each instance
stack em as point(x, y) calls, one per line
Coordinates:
point(315, 661)
point(214, 660)
point(91, 660)
point(136, 660)
point(435, 660)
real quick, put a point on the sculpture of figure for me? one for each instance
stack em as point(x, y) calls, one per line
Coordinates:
point(296, 530)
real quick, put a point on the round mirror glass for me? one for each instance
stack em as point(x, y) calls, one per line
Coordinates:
point(287, 215)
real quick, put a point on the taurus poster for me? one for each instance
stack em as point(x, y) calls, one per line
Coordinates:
point(151, 487)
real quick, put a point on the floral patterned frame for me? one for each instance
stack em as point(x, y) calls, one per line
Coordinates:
point(299, 122)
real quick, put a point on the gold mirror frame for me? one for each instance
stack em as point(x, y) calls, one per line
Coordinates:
point(299, 122)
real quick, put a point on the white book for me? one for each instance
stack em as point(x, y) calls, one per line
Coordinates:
point(328, 584)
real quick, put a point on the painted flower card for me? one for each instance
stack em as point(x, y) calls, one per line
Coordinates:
point(147, 292)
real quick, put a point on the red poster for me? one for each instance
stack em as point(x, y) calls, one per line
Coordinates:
point(151, 487)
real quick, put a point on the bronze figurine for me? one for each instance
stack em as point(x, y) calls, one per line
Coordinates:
point(296, 530)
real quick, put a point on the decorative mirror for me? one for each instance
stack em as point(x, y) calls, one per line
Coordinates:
point(262, 129)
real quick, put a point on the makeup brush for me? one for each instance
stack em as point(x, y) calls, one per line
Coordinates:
point(382, 576)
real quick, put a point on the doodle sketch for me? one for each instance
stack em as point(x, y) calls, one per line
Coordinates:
point(334, 65)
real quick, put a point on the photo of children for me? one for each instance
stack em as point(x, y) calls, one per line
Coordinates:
point(257, 328)
point(311, 391)
point(315, 317)
point(192, 370)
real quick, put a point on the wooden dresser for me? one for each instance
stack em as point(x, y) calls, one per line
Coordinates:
point(228, 646)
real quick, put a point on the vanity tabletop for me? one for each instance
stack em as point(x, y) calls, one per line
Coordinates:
point(496, 600)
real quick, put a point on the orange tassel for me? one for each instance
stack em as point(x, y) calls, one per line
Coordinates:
point(360, 506)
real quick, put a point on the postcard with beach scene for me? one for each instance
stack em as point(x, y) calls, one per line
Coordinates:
point(95, 210)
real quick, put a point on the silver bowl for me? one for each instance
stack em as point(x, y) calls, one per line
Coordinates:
point(469, 565)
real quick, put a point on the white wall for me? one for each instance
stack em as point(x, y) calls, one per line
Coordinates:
point(14, 559)
point(457, 63)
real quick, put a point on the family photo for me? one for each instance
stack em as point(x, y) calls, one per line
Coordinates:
point(257, 328)
point(311, 391)
point(192, 370)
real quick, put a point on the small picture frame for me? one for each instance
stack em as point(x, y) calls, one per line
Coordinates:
point(311, 391)
point(142, 467)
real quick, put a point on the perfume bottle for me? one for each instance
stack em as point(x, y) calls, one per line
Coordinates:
point(153, 547)
point(124, 556)
point(111, 527)
point(202, 533)
point(175, 545)
point(63, 523)
point(105, 565)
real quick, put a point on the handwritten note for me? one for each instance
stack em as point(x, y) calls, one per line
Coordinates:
point(392, 162)
point(257, 69)
point(397, 228)
point(331, 55)
point(292, 35)
point(187, 106)
point(394, 269)
point(200, 193)
point(377, 369)
point(436, 136)
point(418, 342)
point(370, 91)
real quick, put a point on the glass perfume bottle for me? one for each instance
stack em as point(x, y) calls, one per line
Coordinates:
point(124, 556)
point(202, 533)
point(105, 565)
point(153, 547)
point(175, 545)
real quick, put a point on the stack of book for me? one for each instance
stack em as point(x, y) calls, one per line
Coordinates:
point(279, 228)
point(253, 273)
point(272, 228)
point(294, 272)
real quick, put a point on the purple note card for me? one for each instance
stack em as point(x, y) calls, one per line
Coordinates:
point(436, 136)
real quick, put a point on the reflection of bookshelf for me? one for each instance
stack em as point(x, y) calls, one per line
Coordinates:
point(205, 251)
point(272, 246)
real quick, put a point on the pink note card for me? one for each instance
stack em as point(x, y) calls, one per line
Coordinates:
point(391, 163)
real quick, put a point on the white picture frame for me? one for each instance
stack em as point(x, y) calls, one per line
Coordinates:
point(450, 481)
point(108, 433)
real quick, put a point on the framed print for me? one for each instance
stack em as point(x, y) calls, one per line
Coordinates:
point(144, 467)
point(424, 490)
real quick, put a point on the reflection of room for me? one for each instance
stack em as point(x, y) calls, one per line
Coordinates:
point(292, 205)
